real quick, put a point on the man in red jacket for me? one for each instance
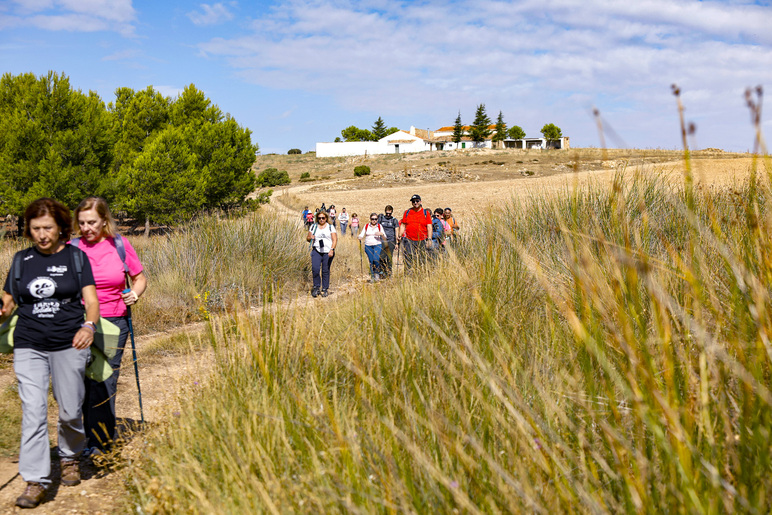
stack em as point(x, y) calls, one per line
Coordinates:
point(415, 231)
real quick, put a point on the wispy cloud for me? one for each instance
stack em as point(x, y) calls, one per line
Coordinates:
point(71, 15)
point(427, 56)
point(169, 91)
point(210, 14)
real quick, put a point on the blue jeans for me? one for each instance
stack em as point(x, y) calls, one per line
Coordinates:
point(99, 405)
point(374, 257)
point(343, 226)
point(320, 268)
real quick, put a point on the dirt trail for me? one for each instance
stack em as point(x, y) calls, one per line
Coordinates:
point(101, 491)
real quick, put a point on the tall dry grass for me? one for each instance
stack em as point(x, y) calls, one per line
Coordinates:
point(602, 351)
point(215, 264)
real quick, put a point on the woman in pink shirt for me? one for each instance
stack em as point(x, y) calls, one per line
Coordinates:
point(100, 240)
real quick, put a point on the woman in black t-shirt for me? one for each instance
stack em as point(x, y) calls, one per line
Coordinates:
point(52, 338)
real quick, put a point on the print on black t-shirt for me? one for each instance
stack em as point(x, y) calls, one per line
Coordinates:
point(50, 310)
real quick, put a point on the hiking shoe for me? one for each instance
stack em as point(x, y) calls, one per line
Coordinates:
point(70, 472)
point(32, 496)
point(324, 293)
point(315, 292)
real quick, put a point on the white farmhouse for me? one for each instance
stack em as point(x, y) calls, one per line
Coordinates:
point(419, 140)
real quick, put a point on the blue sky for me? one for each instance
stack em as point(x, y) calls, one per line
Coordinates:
point(297, 72)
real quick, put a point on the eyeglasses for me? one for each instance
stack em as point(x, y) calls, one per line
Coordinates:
point(322, 218)
point(373, 219)
point(415, 201)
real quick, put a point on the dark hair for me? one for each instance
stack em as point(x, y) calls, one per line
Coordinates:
point(438, 211)
point(389, 208)
point(103, 210)
point(48, 206)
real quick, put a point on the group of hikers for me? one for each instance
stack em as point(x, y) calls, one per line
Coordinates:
point(418, 234)
point(60, 296)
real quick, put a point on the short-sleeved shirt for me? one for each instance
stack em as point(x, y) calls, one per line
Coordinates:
point(415, 223)
point(323, 237)
point(109, 274)
point(50, 308)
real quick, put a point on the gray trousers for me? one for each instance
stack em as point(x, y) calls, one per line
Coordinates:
point(67, 369)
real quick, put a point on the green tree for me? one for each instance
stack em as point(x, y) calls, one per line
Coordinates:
point(516, 132)
point(224, 156)
point(458, 130)
point(272, 177)
point(501, 129)
point(54, 141)
point(163, 184)
point(480, 129)
point(550, 131)
point(379, 129)
point(193, 107)
point(137, 118)
point(353, 133)
point(392, 130)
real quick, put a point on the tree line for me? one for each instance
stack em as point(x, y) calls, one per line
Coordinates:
point(156, 159)
point(353, 133)
point(480, 130)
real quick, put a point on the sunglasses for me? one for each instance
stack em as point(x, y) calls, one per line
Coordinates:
point(322, 218)
point(415, 201)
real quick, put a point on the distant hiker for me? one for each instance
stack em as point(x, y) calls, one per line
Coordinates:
point(373, 236)
point(354, 224)
point(309, 219)
point(54, 331)
point(415, 231)
point(391, 227)
point(332, 213)
point(304, 217)
point(451, 221)
point(343, 219)
point(113, 260)
point(324, 239)
point(438, 231)
point(323, 208)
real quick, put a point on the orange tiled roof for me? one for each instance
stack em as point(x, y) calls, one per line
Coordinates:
point(464, 127)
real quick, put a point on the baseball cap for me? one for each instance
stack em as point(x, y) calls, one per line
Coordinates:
point(415, 197)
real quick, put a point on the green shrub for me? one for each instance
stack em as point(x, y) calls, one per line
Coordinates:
point(305, 175)
point(272, 177)
point(361, 170)
point(294, 151)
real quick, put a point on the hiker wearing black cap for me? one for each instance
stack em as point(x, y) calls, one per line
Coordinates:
point(390, 226)
point(415, 232)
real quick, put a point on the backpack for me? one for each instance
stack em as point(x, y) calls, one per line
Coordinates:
point(309, 217)
point(438, 231)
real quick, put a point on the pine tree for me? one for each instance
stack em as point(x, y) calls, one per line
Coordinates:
point(501, 129)
point(458, 130)
point(379, 129)
point(54, 141)
point(480, 129)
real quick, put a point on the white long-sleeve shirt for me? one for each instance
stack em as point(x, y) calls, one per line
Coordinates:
point(373, 234)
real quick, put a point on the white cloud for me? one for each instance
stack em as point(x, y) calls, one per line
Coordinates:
point(74, 15)
point(210, 14)
point(525, 57)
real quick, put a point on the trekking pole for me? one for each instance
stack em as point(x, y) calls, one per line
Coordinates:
point(134, 356)
point(361, 266)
